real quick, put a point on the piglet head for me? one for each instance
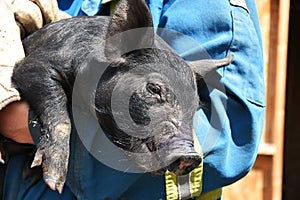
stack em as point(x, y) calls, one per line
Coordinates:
point(147, 97)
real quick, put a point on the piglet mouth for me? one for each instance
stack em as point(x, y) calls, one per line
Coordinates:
point(185, 165)
point(181, 166)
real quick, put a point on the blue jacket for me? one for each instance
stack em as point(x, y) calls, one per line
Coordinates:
point(229, 128)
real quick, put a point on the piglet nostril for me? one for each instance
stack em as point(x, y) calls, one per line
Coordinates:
point(185, 164)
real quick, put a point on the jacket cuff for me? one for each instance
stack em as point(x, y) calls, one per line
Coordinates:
point(7, 93)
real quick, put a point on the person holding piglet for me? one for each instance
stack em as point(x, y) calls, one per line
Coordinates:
point(220, 34)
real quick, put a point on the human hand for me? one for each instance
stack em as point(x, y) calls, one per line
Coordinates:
point(14, 122)
point(34, 14)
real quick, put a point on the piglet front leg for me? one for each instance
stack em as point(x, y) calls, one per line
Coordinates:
point(46, 96)
point(53, 154)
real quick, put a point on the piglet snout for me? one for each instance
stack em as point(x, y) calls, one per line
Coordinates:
point(185, 164)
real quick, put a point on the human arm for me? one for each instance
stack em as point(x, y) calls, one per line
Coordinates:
point(18, 18)
point(14, 122)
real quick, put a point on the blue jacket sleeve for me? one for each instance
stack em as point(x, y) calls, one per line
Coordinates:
point(229, 126)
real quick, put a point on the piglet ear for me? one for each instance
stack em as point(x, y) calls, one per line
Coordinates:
point(203, 67)
point(130, 28)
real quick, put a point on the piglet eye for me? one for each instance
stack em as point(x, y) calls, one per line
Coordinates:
point(153, 88)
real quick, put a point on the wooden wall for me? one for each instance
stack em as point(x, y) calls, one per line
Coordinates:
point(292, 130)
point(264, 182)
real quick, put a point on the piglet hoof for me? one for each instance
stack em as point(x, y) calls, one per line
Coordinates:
point(53, 154)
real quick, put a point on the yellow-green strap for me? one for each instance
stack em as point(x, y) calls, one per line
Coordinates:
point(212, 195)
point(194, 184)
point(171, 186)
point(171, 182)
